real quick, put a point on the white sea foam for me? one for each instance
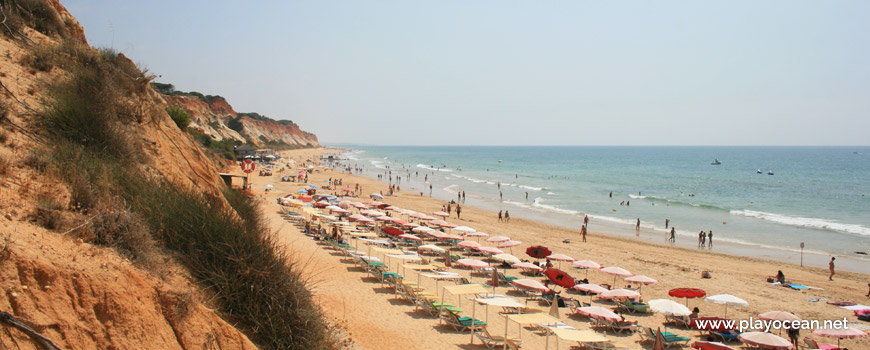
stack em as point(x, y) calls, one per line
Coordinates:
point(805, 222)
point(552, 193)
point(636, 196)
point(452, 189)
point(531, 188)
point(424, 166)
point(538, 203)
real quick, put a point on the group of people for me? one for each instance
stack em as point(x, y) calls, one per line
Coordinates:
point(705, 239)
point(505, 218)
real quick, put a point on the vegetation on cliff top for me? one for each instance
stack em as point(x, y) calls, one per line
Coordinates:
point(87, 126)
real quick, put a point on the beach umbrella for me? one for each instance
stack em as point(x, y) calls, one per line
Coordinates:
point(641, 280)
point(437, 234)
point(710, 345)
point(687, 293)
point(441, 214)
point(529, 284)
point(358, 205)
point(726, 299)
point(453, 237)
point(339, 210)
point(376, 195)
point(489, 250)
point(393, 231)
point(345, 204)
point(498, 239)
point(586, 264)
point(422, 229)
point(559, 277)
point(417, 215)
point(599, 313)
point(841, 333)
point(590, 288)
point(302, 191)
point(668, 307)
point(384, 218)
point(778, 316)
point(508, 258)
point(616, 271)
point(410, 236)
point(269, 186)
point(510, 244)
point(469, 244)
point(442, 223)
point(527, 266)
point(765, 340)
point(409, 224)
point(392, 208)
point(346, 189)
point(313, 186)
point(476, 234)
point(538, 252)
point(464, 229)
point(560, 257)
point(432, 248)
point(619, 294)
point(472, 263)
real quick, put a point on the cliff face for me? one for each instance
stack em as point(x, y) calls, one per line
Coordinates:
point(211, 116)
point(83, 295)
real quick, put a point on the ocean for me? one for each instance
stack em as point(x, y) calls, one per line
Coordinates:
point(818, 195)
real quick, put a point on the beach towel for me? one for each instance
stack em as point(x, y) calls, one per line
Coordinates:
point(861, 312)
point(856, 307)
point(817, 299)
point(841, 303)
point(797, 286)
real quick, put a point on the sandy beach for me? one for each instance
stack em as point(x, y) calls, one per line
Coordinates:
point(376, 319)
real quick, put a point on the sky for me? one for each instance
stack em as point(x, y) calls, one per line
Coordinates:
point(507, 72)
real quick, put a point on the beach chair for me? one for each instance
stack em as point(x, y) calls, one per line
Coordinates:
point(812, 344)
point(512, 345)
point(492, 341)
point(621, 326)
point(504, 279)
point(669, 338)
point(726, 336)
point(460, 323)
point(679, 320)
point(435, 308)
point(607, 345)
point(633, 307)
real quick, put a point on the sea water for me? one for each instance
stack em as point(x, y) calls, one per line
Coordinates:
point(817, 195)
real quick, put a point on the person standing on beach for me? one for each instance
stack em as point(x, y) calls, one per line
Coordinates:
point(507, 216)
point(637, 225)
point(700, 238)
point(458, 211)
point(430, 190)
point(448, 208)
point(586, 220)
point(673, 239)
point(500, 196)
point(527, 195)
point(611, 194)
point(458, 197)
point(583, 233)
point(831, 267)
point(710, 239)
point(499, 216)
point(667, 221)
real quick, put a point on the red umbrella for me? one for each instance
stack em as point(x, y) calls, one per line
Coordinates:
point(393, 231)
point(538, 252)
point(687, 293)
point(708, 323)
point(709, 345)
point(560, 277)
point(346, 189)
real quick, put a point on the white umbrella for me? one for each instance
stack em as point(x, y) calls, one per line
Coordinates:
point(498, 239)
point(619, 294)
point(726, 299)
point(431, 247)
point(668, 307)
point(510, 259)
point(464, 229)
point(422, 229)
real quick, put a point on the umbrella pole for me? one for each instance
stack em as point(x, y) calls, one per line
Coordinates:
point(726, 310)
point(505, 331)
point(547, 346)
point(473, 306)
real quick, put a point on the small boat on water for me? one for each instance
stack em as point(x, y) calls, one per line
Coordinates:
point(716, 162)
point(770, 172)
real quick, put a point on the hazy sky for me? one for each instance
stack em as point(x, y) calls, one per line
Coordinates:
point(515, 72)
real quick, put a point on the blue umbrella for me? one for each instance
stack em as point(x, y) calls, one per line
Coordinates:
point(312, 186)
point(302, 191)
point(327, 180)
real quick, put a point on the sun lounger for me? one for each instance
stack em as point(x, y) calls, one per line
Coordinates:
point(460, 323)
point(727, 335)
point(679, 320)
point(621, 326)
point(491, 341)
point(812, 344)
point(608, 345)
point(669, 338)
point(633, 307)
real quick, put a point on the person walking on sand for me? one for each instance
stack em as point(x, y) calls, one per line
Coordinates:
point(831, 267)
point(499, 216)
point(583, 233)
point(507, 216)
point(458, 210)
point(710, 239)
point(586, 220)
point(667, 221)
point(673, 239)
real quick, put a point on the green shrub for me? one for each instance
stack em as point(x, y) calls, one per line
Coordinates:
point(179, 116)
point(235, 124)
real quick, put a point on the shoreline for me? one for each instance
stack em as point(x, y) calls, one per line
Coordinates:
point(609, 228)
point(352, 299)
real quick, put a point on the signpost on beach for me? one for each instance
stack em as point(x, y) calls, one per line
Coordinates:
point(248, 167)
point(802, 254)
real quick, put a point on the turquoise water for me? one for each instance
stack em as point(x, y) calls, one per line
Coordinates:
point(817, 195)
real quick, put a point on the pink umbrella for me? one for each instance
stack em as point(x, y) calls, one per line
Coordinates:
point(436, 234)
point(476, 234)
point(441, 214)
point(498, 239)
point(358, 205)
point(418, 215)
point(410, 236)
point(848, 333)
point(340, 211)
point(453, 237)
point(778, 315)
point(393, 208)
point(490, 250)
point(586, 264)
point(525, 283)
point(765, 340)
point(590, 288)
point(509, 243)
point(619, 294)
point(599, 313)
point(472, 263)
point(528, 266)
point(469, 244)
point(410, 224)
point(616, 271)
point(442, 223)
point(641, 280)
point(345, 204)
point(560, 257)
point(384, 218)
